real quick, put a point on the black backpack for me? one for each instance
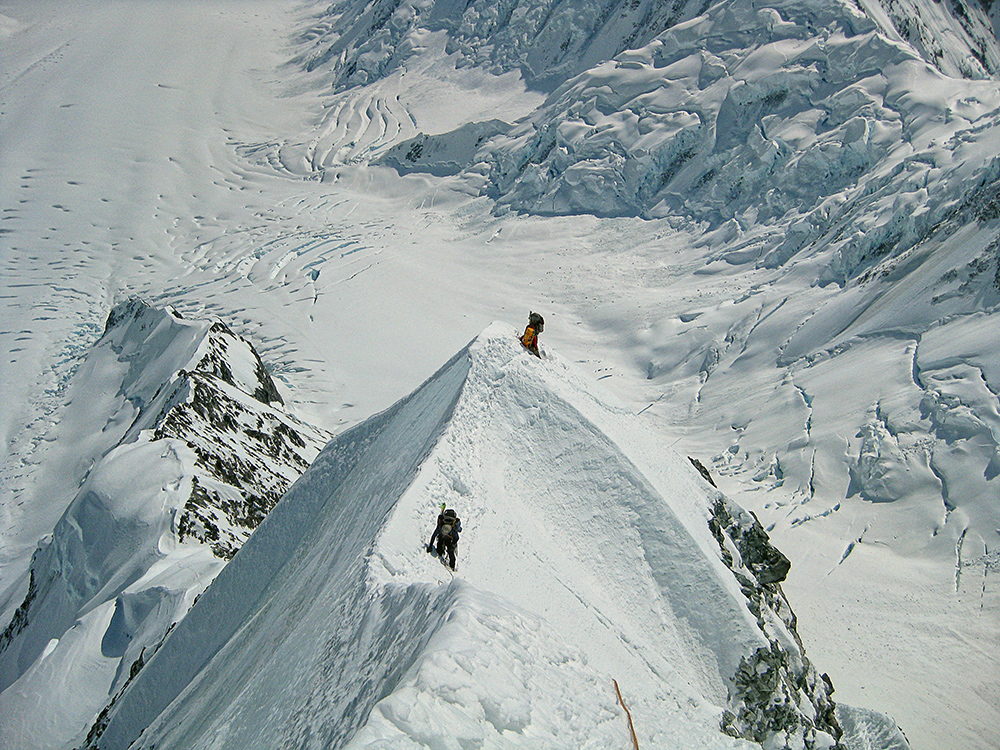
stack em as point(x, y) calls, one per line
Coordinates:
point(536, 321)
point(449, 524)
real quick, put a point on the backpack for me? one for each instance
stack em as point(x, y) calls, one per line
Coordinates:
point(536, 321)
point(449, 524)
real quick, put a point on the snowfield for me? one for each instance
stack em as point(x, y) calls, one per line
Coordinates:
point(770, 231)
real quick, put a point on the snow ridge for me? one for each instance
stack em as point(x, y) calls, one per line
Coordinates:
point(300, 579)
point(195, 452)
point(333, 626)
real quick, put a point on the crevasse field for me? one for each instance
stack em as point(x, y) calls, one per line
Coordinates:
point(768, 234)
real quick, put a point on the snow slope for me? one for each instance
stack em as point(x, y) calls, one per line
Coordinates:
point(177, 445)
point(586, 556)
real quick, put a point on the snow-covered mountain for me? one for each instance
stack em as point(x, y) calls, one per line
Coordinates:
point(333, 627)
point(959, 38)
point(827, 175)
point(770, 229)
point(182, 448)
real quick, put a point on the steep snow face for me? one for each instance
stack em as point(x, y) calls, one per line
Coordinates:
point(294, 639)
point(590, 552)
point(957, 36)
point(183, 450)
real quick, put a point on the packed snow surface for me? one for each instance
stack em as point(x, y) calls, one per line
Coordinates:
point(807, 304)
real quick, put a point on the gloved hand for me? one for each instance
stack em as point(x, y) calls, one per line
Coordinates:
point(430, 549)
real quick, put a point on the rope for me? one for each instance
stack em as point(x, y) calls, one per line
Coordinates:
point(631, 727)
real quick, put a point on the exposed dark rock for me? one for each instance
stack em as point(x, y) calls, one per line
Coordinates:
point(776, 695)
point(20, 620)
point(702, 470)
point(224, 406)
point(248, 452)
point(765, 560)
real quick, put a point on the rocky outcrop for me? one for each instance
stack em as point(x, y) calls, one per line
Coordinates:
point(190, 448)
point(248, 451)
point(776, 697)
point(224, 406)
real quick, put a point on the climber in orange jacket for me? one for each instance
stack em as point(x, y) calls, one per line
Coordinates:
point(530, 338)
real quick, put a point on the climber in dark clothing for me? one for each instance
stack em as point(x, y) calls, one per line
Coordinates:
point(446, 534)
